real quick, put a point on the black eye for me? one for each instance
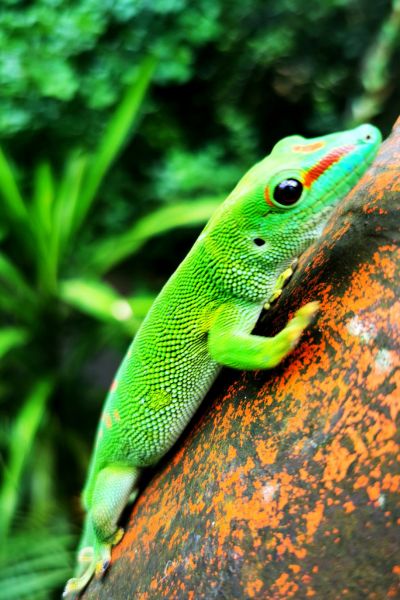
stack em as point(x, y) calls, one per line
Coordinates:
point(288, 192)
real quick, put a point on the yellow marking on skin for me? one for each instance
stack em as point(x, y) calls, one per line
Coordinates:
point(117, 416)
point(114, 386)
point(159, 399)
point(207, 316)
point(308, 148)
point(107, 421)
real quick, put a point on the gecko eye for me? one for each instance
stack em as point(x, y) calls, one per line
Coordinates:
point(288, 192)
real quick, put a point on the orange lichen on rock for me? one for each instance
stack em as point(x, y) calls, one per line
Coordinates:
point(253, 588)
point(284, 586)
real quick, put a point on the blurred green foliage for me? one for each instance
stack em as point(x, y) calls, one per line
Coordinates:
point(122, 121)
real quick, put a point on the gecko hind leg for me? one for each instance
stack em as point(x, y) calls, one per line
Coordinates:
point(111, 493)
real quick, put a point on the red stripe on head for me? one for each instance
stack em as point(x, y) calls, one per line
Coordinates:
point(324, 164)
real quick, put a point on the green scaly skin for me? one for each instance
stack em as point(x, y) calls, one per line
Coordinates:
point(204, 315)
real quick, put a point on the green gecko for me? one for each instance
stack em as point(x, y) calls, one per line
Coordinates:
point(203, 317)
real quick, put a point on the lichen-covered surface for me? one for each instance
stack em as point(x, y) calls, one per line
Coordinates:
point(287, 484)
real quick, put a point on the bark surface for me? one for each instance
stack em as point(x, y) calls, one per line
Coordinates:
point(287, 482)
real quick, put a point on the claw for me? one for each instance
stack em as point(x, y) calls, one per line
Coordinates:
point(77, 584)
point(97, 560)
point(101, 567)
point(104, 556)
point(119, 534)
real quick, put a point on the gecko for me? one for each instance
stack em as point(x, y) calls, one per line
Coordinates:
point(204, 316)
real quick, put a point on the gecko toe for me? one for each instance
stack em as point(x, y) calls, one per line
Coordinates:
point(101, 567)
point(77, 584)
point(119, 534)
point(86, 555)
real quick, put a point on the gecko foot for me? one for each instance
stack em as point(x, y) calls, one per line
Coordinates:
point(104, 553)
point(300, 321)
point(96, 559)
point(77, 584)
point(288, 338)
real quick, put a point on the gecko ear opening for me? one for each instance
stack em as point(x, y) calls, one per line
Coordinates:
point(259, 242)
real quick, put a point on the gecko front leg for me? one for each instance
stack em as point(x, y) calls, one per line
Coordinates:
point(230, 345)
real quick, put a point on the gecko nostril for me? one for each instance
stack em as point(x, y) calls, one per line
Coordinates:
point(259, 242)
point(369, 134)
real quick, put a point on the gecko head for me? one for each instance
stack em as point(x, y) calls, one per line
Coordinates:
point(281, 205)
point(306, 176)
point(305, 179)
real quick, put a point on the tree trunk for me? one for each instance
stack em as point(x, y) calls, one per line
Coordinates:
point(286, 484)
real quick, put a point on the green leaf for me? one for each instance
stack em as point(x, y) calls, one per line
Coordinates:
point(34, 561)
point(23, 435)
point(13, 204)
point(33, 586)
point(141, 304)
point(11, 337)
point(43, 197)
point(11, 277)
point(99, 300)
point(108, 253)
point(42, 216)
point(68, 201)
point(16, 296)
point(65, 206)
point(115, 135)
